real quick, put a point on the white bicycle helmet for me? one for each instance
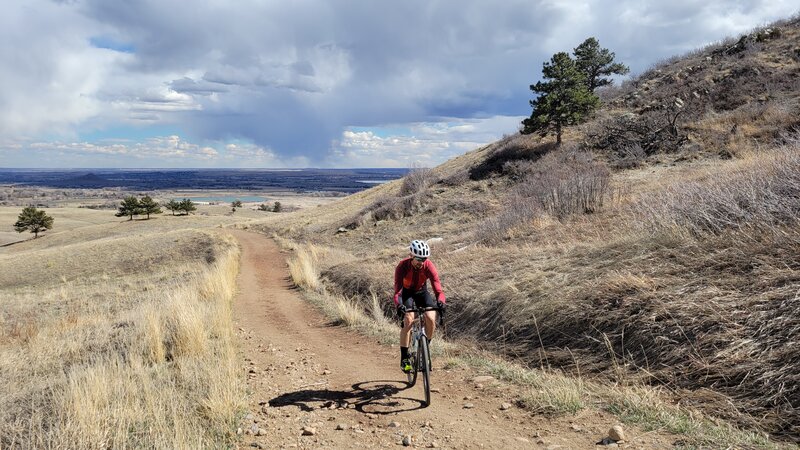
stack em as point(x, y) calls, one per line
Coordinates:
point(420, 249)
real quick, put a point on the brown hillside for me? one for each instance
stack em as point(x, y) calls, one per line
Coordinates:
point(660, 244)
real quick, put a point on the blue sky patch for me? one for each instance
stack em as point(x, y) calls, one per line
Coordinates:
point(111, 44)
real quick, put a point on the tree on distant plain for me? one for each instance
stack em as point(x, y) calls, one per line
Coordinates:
point(596, 63)
point(263, 207)
point(236, 204)
point(276, 207)
point(149, 206)
point(564, 98)
point(129, 207)
point(188, 206)
point(33, 220)
point(173, 206)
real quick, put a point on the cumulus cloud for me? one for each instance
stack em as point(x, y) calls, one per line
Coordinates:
point(291, 77)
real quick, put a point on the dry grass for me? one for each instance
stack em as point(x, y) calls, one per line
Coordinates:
point(758, 194)
point(138, 356)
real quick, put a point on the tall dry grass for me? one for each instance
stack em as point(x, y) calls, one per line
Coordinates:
point(146, 361)
point(760, 193)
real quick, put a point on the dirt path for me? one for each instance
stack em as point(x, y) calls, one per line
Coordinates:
point(348, 391)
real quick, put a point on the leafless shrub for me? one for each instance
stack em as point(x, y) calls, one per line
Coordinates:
point(390, 207)
point(762, 194)
point(417, 180)
point(511, 148)
point(352, 222)
point(475, 207)
point(560, 184)
point(567, 183)
point(518, 211)
point(456, 179)
point(630, 157)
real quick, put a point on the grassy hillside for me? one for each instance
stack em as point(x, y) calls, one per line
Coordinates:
point(660, 244)
point(119, 335)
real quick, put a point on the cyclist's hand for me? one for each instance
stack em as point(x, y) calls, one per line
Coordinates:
point(401, 311)
point(442, 307)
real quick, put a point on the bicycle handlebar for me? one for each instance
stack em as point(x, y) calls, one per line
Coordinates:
point(425, 309)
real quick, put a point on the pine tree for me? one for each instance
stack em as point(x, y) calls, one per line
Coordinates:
point(149, 206)
point(129, 207)
point(187, 206)
point(277, 207)
point(173, 206)
point(33, 220)
point(596, 63)
point(563, 100)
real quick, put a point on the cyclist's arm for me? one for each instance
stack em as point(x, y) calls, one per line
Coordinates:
point(398, 283)
point(433, 275)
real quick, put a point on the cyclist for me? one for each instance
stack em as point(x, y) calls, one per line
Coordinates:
point(410, 290)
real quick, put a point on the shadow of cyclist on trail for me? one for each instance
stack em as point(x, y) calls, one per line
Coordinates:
point(375, 397)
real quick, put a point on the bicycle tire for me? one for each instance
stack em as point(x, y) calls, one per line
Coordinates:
point(424, 355)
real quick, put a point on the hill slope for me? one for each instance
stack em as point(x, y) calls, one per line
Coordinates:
point(661, 244)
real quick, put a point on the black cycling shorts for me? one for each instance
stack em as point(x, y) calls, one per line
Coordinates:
point(420, 299)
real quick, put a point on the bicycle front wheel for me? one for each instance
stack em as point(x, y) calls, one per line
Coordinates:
point(425, 361)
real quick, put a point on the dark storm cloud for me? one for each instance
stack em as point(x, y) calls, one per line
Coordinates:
point(291, 76)
point(297, 73)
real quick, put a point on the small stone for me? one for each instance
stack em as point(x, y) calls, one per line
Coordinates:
point(479, 386)
point(394, 424)
point(261, 432)
point(341, 426)
point(522, 439)
point(433, 445)
point(239, 431)
point(309, 431)
point(256, 445)
point(505, 406)
point(617, 433)
point(406, 440)
point(576, 427)
point(326, 372)
point(468, 406)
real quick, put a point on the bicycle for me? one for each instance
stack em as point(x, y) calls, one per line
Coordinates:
point(419, 353)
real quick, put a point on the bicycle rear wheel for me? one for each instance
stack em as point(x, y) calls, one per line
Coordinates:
point(425, 361)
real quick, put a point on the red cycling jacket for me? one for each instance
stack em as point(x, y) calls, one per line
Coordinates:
point(406, 276)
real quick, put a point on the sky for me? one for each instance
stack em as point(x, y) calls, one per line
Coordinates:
point(307, 83)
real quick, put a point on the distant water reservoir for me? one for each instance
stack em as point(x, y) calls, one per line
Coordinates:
point(245, 199)
point(372, 181)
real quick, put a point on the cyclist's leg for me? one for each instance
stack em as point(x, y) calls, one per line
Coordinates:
point(426, 300)
point(405, 332)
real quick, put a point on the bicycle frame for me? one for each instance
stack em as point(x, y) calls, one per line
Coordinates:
point(419, 351)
